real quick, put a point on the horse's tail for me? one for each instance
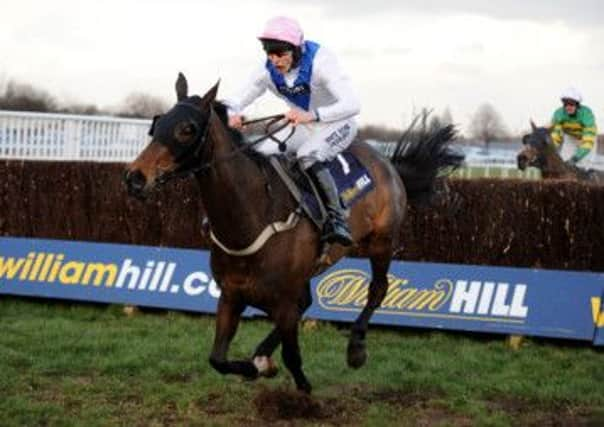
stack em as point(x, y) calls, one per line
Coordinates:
point(422, 156)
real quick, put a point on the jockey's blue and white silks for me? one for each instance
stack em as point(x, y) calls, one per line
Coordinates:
point(330, 95)
point(299, 92)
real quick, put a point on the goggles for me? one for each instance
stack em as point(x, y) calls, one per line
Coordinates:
point(277, 47)
point(571, 102)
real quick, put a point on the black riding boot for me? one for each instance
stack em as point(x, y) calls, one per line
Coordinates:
point(336, 229)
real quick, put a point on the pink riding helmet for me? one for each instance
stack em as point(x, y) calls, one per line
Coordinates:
point(284, 29)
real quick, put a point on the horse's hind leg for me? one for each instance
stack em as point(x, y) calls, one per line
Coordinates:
point(356, 353)
point(227, 319)
point(262, 356)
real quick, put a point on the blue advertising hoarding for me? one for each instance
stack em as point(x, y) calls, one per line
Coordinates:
point(546, 303)
point(598, 314)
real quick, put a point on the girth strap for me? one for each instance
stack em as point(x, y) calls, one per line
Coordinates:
point(267, 233)
point(289, 183)
point(295, 191)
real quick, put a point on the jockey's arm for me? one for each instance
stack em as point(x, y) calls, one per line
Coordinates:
point(556, 132)
point(587, 144)
point(588, 137)
point(338, 84)
point(255, 87)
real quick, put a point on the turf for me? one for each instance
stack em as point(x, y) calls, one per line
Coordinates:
point(64, 364)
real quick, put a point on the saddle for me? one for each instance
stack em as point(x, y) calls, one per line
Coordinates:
point(584, 174)
point(352, 180)
point(351, 177)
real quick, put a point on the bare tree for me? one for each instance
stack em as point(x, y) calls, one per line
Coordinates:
point(487, 125)
point(24, 97)
point(142, 105)
point(3, 82)
point(84, 109)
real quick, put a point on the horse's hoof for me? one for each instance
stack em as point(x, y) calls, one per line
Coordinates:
point(251, 373)
point(304, 387)
point(357, 355)
point(266, 367)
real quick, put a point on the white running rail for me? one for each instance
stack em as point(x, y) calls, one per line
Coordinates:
point(42, 136)
point(68, 137)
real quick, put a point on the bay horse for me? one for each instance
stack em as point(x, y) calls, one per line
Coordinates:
point(540, 151)
point(242, 193)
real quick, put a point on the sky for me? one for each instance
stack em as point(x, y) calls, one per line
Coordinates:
point(402, 55)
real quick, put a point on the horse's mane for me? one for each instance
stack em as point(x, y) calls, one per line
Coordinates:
point(542, 134)
point(221, 109)
point(238, 139)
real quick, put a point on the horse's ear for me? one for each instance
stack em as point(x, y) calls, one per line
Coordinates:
point(210, 95)
point(182, 87)
point(533, 125)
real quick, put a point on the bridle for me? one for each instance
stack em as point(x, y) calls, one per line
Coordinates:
point(194, 151)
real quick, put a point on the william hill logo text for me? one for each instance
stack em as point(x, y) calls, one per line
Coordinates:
point(151, 276)
point(346, 290)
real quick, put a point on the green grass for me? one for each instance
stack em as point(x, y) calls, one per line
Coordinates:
point(63, 364)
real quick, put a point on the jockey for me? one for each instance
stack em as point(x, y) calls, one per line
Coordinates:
point(321, 105)
point(577, 122)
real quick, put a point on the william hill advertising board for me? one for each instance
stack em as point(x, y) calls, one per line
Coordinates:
point(521, 301)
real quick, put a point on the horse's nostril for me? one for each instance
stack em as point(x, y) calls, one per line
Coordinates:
point(521, 160)
point(135, 180)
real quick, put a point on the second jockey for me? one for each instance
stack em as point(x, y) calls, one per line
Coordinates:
point(574, 128)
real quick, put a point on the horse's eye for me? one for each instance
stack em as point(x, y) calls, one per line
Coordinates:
point(185, 133)
point(188, 130)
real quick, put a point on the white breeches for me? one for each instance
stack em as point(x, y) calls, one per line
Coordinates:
point(314, 142)
point(569, 146)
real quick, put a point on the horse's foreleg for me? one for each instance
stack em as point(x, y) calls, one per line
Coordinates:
point(262, 356)
point(287, 325)
point(227, 319)
point(356, 353)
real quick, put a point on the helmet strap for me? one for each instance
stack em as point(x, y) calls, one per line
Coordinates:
point(297, 56)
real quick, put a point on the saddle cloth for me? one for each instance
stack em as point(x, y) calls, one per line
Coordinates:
point(351, 177)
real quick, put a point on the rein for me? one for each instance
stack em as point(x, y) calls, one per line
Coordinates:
point(272, 120)
point(268, 135)
point(269, 230)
